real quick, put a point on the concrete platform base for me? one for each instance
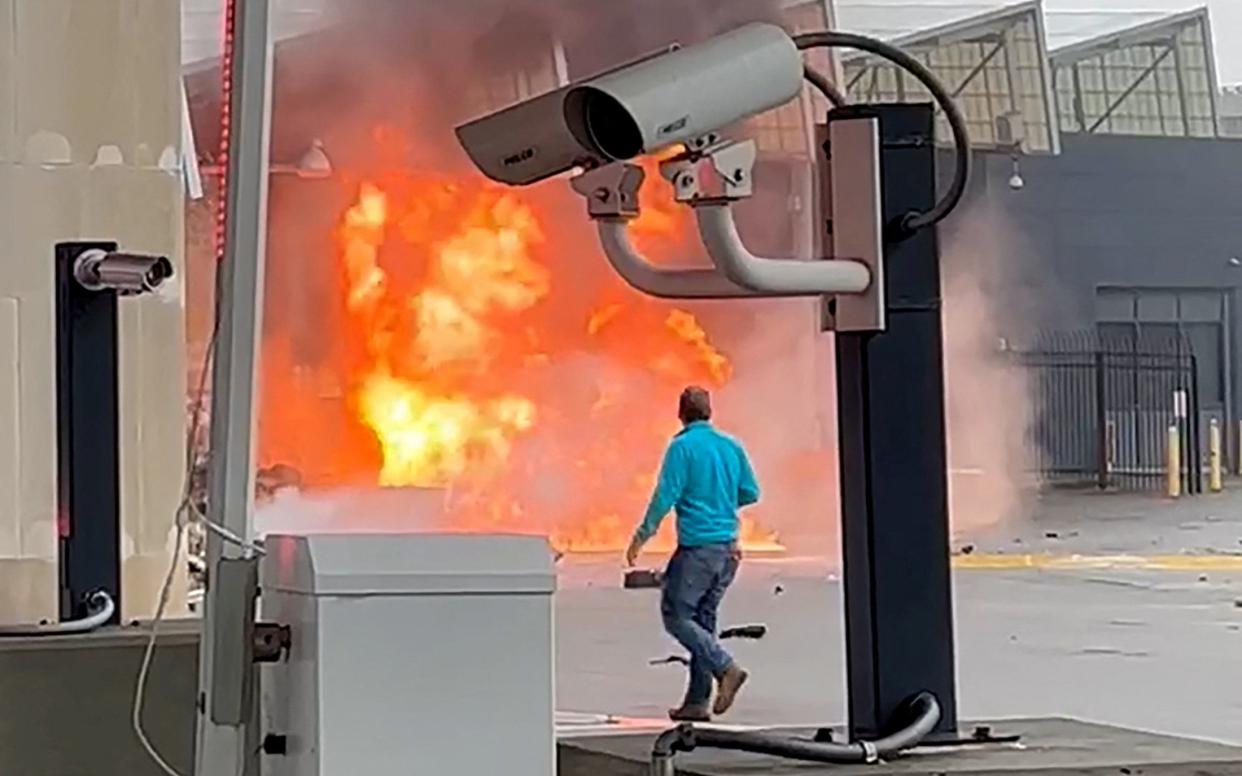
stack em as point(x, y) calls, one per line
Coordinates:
point(65, 702)
point(1049, 747)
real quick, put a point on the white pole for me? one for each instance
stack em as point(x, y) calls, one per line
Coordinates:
point(222, 746)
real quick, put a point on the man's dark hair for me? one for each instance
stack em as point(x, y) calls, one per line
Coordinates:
point(695, 404)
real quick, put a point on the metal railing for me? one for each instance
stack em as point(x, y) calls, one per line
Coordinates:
point(1102, 409)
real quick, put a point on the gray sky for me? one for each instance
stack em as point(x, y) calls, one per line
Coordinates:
point(1226, 23)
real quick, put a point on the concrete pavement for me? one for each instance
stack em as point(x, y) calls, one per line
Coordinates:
point(1154, 646)
point(1065, 523)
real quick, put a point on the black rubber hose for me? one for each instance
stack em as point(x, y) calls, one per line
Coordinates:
point(961, 136)
point(668, 742)
point(924, 713)
point(825, 87)
point(757, 742)
point(99, 609)
point(924, 709)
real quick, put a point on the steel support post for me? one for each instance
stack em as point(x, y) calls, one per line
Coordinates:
point(894, 489)
point(225, 746)
point(88, 499)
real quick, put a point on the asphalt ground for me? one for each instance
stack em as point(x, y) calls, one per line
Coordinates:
point(1122, 609)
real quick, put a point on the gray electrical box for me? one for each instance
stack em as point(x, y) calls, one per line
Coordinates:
point(411, 654)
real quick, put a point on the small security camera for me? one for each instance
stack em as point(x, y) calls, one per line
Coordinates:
point(125, 273)
point(672, 97)
point(1016, 181)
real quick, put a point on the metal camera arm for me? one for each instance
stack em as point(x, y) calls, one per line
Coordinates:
point(709, 177)
point(611, 193)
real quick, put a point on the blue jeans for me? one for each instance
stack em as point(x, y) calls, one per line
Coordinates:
point(694, 585)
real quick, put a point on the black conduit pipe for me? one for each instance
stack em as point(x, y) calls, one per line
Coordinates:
point(924, 711)
point(825, 87)
point(946, 101)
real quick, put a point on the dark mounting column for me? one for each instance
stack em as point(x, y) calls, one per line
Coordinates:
point(88, 505)
point(894, 489)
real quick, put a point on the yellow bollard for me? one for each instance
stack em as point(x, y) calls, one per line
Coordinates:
point(1238, 450)
point(1215, 483)
point(1173, 466)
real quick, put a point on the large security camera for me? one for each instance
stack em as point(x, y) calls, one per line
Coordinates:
point(525, 143)
point(685, 94)
point(669, 98)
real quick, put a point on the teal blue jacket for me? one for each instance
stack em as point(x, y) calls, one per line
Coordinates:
point(706, 477)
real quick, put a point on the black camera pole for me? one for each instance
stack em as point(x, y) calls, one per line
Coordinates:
point(89, 277)
point(893, 461)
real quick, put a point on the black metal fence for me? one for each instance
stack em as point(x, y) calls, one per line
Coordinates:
point(1101, 409)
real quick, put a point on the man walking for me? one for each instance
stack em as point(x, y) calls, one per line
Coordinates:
point(705, 479)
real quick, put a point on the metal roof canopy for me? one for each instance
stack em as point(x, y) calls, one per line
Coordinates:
point(994, 59)
point(1108, 72)
point(202, 27)
point(1156, 78)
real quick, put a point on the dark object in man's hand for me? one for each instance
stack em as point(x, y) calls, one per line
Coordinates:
point(637, 579)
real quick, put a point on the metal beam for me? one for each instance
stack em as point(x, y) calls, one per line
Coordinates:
point(1129, 90)
point(862, 71)
point(873, 88)
point(1009, 80)
point(983, 63)
point(1179, 68)
point(1080, 114)
point(225, 745)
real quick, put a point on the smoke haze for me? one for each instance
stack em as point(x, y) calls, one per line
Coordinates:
point(605, 413)
point(987, 400)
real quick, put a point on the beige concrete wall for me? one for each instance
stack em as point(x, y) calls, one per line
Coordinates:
point(89, 134)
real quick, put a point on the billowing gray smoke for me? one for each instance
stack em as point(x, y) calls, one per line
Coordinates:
point(988, 399)
point(415, 64)
point(417, 67)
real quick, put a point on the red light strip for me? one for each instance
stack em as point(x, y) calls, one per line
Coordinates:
point(226, 115)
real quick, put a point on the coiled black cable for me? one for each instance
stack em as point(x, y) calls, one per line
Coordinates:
point(957, 122)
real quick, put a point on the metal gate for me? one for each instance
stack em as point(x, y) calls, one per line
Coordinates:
point(1101, 409)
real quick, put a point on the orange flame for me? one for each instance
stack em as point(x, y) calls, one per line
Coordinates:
point(454, 360)
point(659, 214)
point(430, 434)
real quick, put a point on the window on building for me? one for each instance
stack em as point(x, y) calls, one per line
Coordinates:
point(1161, 83)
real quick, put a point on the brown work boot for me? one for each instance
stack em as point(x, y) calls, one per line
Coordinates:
point(690, 714)
point(728, 685)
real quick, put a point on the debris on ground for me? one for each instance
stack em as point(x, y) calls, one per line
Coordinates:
point(752, 632)
point(745, 632)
